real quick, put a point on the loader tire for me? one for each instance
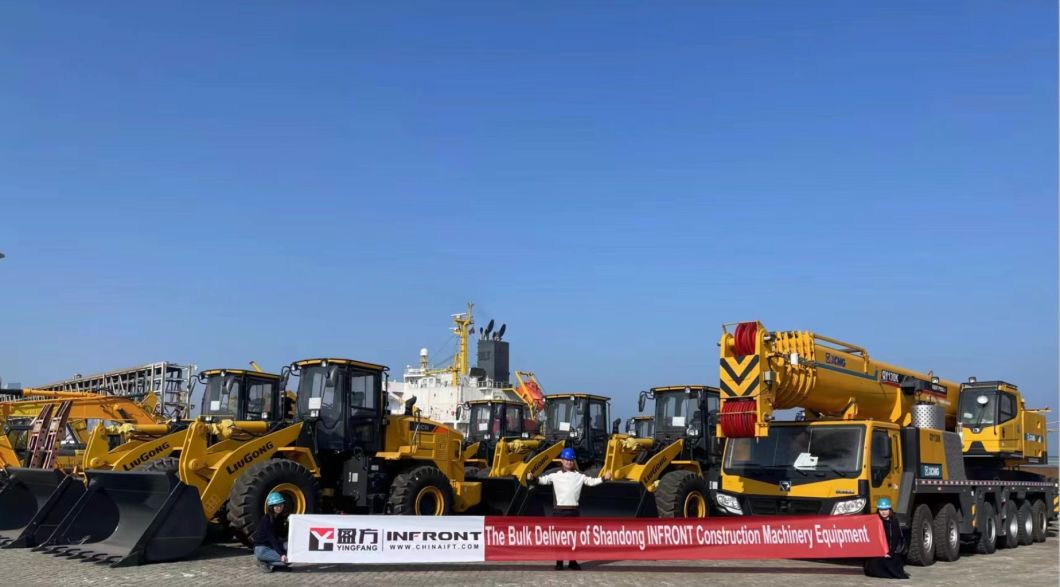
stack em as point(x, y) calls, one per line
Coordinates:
point(987, 542)
point(246, 500)
point(682, 494)
point(1041, 520)
point(922, 537)
point(421, 491)
point(947, 534)
point(1010, 522)
point(1025, 515)
point(164, 465)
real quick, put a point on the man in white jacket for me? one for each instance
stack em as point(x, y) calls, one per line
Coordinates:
point(567, 486)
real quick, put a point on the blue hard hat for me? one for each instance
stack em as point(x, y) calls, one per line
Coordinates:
point(567, 454)
point(883, 503)
point(275, 499)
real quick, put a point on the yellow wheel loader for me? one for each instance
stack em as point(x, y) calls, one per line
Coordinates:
point(38, 500)
point(574, 420)
point(670, 472)
point(344, 453)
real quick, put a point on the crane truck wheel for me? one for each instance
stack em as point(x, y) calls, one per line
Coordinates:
point(682, 494)
point(246, 500)
point(922, 537)
point(947, 534)
point(1010, 522)
point(1025, 517)
point(421, 491)
point(987, 542)
point(1040, 520)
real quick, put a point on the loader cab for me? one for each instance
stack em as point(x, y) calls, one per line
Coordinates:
point(491, 420)
point(687, 412)
point(581, 421)
point(236, 394)
point(343, 404)
point(640, 426)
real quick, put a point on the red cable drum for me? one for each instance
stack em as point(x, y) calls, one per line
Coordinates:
point(738, 418)
point(743, 339)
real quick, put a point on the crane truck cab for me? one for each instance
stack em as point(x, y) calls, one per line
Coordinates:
point(948, 455)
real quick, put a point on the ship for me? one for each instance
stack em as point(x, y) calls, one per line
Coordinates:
point(440, 391)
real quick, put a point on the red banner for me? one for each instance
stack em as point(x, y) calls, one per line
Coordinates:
point(524, 538)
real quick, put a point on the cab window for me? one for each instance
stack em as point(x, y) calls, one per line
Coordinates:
point(597, 417)
point(259, 401)
point(513, 420)
point(362, 391)
point(881, 456)
point(1006, 408)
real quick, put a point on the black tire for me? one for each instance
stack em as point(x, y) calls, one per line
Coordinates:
point(1025, 515)
point(1041, 520)
point(164, 464)
point(246, 500)
point(1010, 523)
point(947, 534)
point(922, 537)
point(682, 494)
point(421, 491)
point(987, 542)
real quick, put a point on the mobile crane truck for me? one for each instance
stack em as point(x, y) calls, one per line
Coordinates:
point(947, 454)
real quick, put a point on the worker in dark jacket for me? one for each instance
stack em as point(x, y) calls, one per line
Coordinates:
point(567, 484)
point(270, 539)
point(891, 565)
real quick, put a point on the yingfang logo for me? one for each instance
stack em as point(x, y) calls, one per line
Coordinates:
point(353, 539)
point(785, 485)
point(321, 539)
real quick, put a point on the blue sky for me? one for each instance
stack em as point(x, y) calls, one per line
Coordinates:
point(217, 183)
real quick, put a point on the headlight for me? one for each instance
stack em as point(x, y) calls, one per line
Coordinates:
point(693, 431)
point(729, 503)
point(487, 437)
point(850, 506)
point(574, 433)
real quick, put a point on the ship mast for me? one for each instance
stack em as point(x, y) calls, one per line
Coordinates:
point(463, 323)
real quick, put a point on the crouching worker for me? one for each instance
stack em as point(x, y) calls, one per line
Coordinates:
point(892, 565)
point(270, 539)
point(567, 487)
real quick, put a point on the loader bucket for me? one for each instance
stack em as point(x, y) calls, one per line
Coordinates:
point(502, 496)
point(126, 519)
point(618, 499)
point(34, 503)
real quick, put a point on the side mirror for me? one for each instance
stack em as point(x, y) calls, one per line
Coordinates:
point(459, 412)
point(408, 405)
point(615, 425)
point(642, 400)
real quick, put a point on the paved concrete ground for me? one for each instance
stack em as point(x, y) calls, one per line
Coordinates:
point(1027, 566)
